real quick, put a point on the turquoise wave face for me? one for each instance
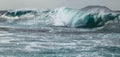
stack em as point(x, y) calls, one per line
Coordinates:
point(89, 17)
point(81, 18)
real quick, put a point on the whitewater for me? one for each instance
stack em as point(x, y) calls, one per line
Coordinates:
point(92, 31)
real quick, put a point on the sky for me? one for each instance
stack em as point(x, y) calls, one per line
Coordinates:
point(45, 4)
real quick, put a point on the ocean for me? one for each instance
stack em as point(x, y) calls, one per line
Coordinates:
point(61, 32)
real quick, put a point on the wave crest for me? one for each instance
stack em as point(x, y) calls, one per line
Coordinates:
point(90, 17)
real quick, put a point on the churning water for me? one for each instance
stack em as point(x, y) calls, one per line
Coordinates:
point(62, 32)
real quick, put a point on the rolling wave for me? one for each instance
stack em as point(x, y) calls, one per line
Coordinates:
point(87, 17)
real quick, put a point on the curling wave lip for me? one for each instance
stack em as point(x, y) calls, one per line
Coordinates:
point(87, 17)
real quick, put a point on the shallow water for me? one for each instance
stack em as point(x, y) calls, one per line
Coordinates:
point(57, 42)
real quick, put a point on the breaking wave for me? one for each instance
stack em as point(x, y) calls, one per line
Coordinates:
point(87, 17)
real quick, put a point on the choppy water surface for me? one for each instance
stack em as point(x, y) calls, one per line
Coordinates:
point(93, 31)
point(57, 42)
